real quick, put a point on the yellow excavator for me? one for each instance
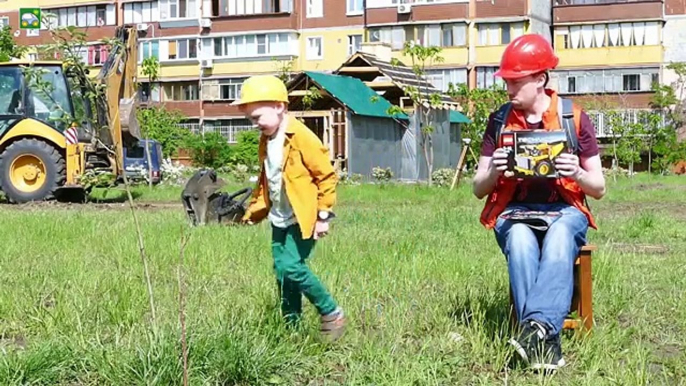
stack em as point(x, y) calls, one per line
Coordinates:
point(44, 151)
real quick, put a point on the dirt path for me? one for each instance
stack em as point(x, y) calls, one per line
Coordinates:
point(140, 205)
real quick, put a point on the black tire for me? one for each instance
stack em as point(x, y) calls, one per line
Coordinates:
point(544, 165)
point(55, 170)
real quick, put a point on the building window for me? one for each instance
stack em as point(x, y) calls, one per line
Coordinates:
point(607, 81)
point(632, 82)
point(149, 49)
point(354, 42)
point(183, 91)
point(485, 77)
point(178, 9)
point(314, 48)
point(354, 7)
point(244, 46)
point(315, 8)
point(97, 54)
point(4, 21)
point(248, 7)
point(86, 16)
point(181, 49)
point(441, 79)
point(141, 12)
point(230, 89)
point(454, 35)
point(494, 34)
point(609, 35)
point(439, 35)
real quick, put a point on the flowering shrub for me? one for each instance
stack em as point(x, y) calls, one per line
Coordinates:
point(381, 174)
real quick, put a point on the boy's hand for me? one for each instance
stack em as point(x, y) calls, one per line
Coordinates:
point(321, 229)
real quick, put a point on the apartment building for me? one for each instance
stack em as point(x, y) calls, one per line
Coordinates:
point(206, 48)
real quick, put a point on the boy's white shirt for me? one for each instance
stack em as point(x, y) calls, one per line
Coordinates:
point(281, 213)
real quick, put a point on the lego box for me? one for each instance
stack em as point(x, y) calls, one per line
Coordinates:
point(532, 153)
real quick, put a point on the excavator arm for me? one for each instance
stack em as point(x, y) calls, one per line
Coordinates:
point(119, 104)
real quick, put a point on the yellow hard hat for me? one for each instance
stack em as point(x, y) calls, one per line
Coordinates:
point(262, 88)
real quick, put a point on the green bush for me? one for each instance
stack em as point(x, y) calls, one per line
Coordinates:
point(209, 150)
point(244, 152)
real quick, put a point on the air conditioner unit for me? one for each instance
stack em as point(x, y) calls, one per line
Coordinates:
point(205, 23)
point(205, 63)
point(404, 8)
point(142, 27)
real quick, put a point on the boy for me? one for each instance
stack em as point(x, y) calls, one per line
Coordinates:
point(296, 191)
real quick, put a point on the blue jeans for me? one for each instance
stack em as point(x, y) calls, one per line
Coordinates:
point(541, 263)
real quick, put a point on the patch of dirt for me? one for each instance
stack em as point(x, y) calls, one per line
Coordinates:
point(640, 248)
point(141, 205)
point(12, 342)
point(643, 187)
point(668, 351)
point(627, 209)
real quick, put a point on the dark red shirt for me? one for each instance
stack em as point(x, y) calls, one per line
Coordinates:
point(541, 190)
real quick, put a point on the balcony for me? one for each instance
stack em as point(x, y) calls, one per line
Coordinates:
point(562, 3)
point(609, 56)
point(575, 11)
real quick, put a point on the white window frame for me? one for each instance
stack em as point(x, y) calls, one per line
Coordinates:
point(4, 20)
point(249, 45)
point(164, 7)
point(315, 8)
point(310, 54)
point(351, 43)
point(350, 7)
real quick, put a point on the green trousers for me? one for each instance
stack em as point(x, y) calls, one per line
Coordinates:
point(294, 277)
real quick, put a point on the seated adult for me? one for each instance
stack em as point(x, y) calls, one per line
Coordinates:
point(540, 256)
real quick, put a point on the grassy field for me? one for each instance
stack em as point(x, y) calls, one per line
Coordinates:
point(423, 284)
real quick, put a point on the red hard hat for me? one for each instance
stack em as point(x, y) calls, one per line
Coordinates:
point(527, 55)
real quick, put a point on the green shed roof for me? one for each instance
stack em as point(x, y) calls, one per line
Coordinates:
point(458, 117)
point(354, 94)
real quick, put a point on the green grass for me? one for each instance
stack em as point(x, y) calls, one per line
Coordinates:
point(412, 267)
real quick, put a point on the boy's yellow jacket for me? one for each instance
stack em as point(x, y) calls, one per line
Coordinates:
point(308, 177)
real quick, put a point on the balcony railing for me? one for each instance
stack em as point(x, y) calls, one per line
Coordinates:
point(590, 2)
point(228, 132)
point(602, 125)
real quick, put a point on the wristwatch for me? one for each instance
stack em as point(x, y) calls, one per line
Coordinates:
point(324, 215)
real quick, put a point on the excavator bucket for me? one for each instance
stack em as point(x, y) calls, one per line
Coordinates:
point(204, 204)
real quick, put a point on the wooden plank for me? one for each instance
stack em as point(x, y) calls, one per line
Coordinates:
point(298, 93)
point(359, 69)
point(586, 291)
point(309, 113)
point(375, 85)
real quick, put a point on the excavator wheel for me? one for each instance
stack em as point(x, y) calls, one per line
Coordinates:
point(31, 170)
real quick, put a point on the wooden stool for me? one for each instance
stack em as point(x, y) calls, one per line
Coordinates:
point(582, 297)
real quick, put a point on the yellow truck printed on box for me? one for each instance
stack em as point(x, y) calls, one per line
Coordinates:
point(532, 153)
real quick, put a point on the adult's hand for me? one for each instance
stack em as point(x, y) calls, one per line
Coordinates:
point(488, 172)
point(568, 165)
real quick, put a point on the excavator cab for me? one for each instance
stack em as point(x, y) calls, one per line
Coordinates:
point(25, 98)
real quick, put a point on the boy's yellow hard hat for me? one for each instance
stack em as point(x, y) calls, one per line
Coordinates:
point(262, 88)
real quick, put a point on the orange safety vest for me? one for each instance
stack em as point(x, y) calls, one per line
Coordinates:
point(553, 119)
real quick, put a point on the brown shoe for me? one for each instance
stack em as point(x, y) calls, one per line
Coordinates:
point(333, 325)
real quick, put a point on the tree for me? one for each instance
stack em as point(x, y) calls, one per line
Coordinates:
point(163, 126)
point(151, 69)
point(9, 49)
point(424, 102)
point(480, 103)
